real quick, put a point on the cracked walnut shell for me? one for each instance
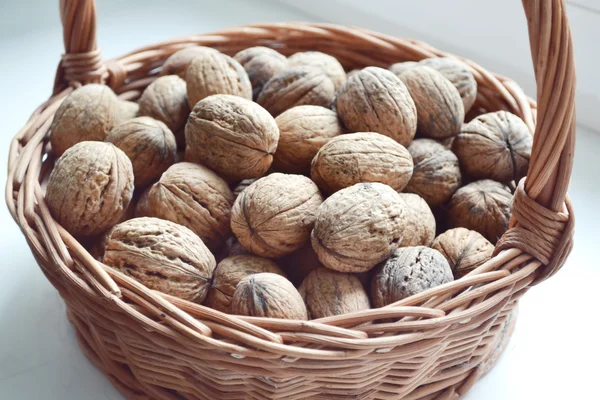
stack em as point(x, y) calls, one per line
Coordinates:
point(330, 65)
point(178, 62)
point(90, 188)
point(464, 249)
point(420, 222)
point(161, 255)
point(261, 64)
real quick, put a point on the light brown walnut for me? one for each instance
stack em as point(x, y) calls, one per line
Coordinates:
point(161, 255)
point(361, 157)
point(268, 295)
point(464, 249)
point(178, 62)
point(127, 110)
point(459, 74)
point(376, 100)
point(261, 64)
point(232, 136)
point(400, 67)
point(420, 222)
point(229, 272)
point(299, 264)
point(195, 197)
point(330, 65)
point(90, 188)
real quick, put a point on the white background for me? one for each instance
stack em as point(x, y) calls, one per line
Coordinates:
point(555, 346)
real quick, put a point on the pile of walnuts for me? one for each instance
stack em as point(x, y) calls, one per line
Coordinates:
point(273, 186)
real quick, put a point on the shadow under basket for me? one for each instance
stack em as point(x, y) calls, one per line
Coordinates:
point(434, 345)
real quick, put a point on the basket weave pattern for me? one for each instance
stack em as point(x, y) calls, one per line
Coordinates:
point(153, 346)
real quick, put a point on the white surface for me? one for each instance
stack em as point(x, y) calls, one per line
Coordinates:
point(554, 349)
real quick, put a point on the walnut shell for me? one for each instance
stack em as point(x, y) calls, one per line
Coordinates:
point(361, 157)
point(459, 74)
point(482, 206)
point(464, 249)
point(352, 73)
point(327, 293)
point(90, 188)
point(268, 295)
point(358, 227)
point(163, 256)
point(303, 130)
point(297, 86)
point(399, 68)
point(87, 114)
point(195, 197)
point(436, 175)
point(240, 187)
point(216, 73)
point(494, 146)
point(440, 110)
point(330, 65)
point(376, 100)
point(299, 264)
point(420, 222)
point(233, 136)
point(148, 143)
point(261, 64)
point(408, 271)
point(229, 272)
point(178, 62)
point(127, 110)
point(165, 100)
point(274, 215)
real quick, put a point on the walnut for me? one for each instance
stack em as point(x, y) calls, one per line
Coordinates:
point(161, 255)
point(216, 73)
point(268, 295)
point(400, 67)
point(148, 143)
point(230, 272)
point(408, 271)
point(420, 222)
point(303, 130)
point(358, 227)
point(297, 86)
point(233, 136)
point(361, 157)
point(440, 111)
point(494, 146)
point(165, 100)
point(376, 100)
point(464, 249)
point(330, 65)
point(274, 216)
point(482, 206)
point(459, 74)
point(447, 142)
point(261, 64)
point(178, 62)
point(88, 113)
point(90, 188)
point(127, 110)
point(352, 73)
point(230, 248)
point(327, 293)
point(436, 175)
point(195, 197)
point(141, 206)
point(300, 263)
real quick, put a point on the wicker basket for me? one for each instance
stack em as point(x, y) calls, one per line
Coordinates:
point(154, 346)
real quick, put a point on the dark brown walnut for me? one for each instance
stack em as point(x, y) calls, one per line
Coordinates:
point(161, 255)
point(148, 143)
point(303, 130)
point(141, 206)
point(376, 100)
point(420, 222)
point(230, 272)
point(482, 206)
point(297, 86)
point(165, 100)
point(330, 65)
point(436, 175)
point(274, 215)
point(408, 271)
point(232, 136)
point(440, 111)
point(299, 264)
point(178, 62)
point(327, 293)
point(400, 67)
point(127, 110)
point(216, 73)
point(358, 227)
point(494, 146)
point(240, 187)
point(464, 249)
point(268, 295)
point(195, 197)
point(87, 114)
point(361, 157)
point(90, 188)
point(459, 74)
point(261, 64)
